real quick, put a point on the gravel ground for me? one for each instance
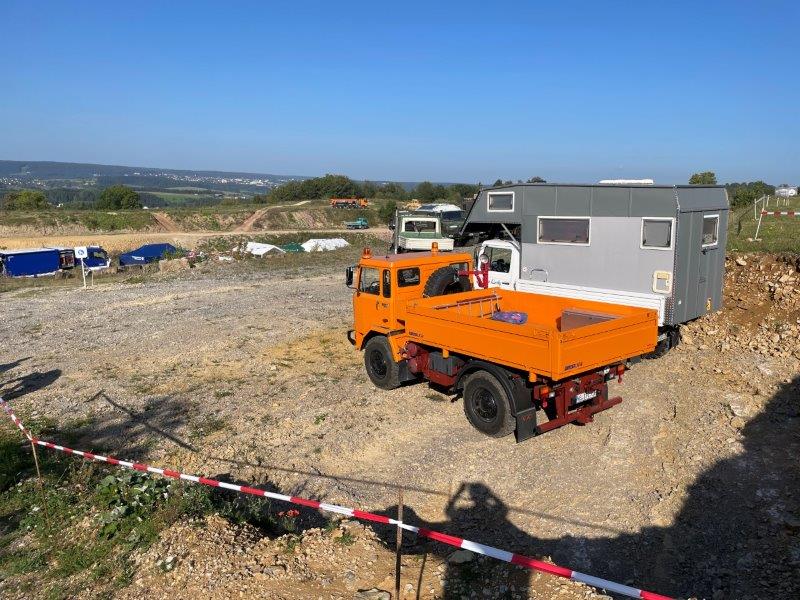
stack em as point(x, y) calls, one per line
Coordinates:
point(689, 487)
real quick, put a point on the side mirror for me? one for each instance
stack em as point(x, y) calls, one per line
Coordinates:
point(349, 272)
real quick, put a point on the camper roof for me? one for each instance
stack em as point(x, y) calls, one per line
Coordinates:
point(589, 199)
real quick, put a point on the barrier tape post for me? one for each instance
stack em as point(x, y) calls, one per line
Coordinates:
point(520, 560)
point(41, 486)
point(399, 544)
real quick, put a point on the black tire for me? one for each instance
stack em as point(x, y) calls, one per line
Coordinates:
point(487, 405)
point(446, 280)
point(381, 367)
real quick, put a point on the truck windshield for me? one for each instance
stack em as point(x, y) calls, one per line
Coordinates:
point(369, 282)
point(419, 226)
point(453, 215)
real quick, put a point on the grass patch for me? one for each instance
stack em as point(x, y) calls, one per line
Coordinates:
point(777, 234)
point(207, 425)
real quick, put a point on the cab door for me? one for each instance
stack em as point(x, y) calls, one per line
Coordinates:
point(503, 264)
point(371, 301)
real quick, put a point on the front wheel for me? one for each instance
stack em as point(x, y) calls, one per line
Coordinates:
point(487, 405)
point(381, 367)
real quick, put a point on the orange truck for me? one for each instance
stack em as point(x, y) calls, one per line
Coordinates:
point(524, 363)
point(349, 203)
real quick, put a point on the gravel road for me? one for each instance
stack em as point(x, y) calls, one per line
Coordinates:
point(688, 487)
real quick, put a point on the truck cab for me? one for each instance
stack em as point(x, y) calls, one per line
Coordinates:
point(385, 283)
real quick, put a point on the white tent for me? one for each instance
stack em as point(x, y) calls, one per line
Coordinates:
point(257, 249)
point(321, 245)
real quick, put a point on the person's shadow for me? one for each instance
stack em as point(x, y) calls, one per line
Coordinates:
point(737, 535)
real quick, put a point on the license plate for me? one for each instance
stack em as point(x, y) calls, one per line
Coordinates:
point(584, 396)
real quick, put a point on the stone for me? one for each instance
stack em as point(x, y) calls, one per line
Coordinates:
point(459, 557)
point(737, 422)
point(741, 262)
point(372, 594)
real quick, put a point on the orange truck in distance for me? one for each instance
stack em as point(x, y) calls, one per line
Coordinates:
point(349, 203)
point(524, 363)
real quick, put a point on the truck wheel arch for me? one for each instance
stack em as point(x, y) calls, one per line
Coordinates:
point(513, 383)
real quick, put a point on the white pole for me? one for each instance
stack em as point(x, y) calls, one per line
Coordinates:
point(758, 227)
point(83, 270)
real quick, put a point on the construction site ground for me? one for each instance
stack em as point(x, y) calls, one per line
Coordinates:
point(688, 488)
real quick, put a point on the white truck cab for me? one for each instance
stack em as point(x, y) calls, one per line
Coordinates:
point(505, 272)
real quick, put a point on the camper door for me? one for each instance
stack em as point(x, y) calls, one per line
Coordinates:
point(709, 249)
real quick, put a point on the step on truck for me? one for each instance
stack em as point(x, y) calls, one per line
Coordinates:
point(524, 363)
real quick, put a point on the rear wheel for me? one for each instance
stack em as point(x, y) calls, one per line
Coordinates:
point(487, 405)
point(381, 367)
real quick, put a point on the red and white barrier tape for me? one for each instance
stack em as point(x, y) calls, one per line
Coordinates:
point(509, 557)
point(781, 213)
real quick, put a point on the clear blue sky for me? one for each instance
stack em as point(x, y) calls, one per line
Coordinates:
point(570, 91)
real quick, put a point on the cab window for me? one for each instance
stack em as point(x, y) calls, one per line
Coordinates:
point(408, 277)
point(369, 282)
point(387, 284)
point(499, 259)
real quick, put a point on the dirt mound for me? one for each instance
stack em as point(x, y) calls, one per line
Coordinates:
point(761, 309)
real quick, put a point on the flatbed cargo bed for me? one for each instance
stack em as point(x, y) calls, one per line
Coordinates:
point(562, 337)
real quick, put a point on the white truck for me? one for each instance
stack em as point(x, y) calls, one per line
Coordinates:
point(415, 232)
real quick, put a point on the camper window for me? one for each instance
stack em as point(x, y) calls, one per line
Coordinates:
point(564, 230)
point(657, 233)
point(500, 201)
point(710, 230)
point(369, 282)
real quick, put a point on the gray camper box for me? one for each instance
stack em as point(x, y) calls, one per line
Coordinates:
point(661, 247)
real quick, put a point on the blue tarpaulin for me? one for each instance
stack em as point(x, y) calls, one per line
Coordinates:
point(30, 262)
point(146, 254)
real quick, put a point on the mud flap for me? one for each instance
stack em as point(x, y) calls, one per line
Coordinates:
point(526, 424)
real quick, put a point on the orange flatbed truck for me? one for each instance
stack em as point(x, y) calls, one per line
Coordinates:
point(516, 357)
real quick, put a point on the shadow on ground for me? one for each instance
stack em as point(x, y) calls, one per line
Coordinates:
point(737, 535)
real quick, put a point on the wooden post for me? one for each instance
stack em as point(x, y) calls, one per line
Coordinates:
point(41, 485)
point(399, 545)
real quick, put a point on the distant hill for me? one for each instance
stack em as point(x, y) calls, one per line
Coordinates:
point(64, 170)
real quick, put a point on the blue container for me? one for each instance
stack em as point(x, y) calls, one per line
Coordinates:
point(30, 262)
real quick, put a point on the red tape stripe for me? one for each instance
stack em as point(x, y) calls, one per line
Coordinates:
point(367, 516)
point(441, 537)
point(539, 565)
point(304, 502)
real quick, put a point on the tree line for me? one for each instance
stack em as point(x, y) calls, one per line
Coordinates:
point(739, 194)
point(115, 197)
point(341, 186)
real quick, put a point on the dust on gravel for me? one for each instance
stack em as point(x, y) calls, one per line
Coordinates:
point(688, 487)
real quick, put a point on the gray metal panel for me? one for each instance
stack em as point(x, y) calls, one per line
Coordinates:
point(613, 260)
point(573, 201)
point(694, 198)
point(479, 212)
point(540, 200)
point(653, 202)
point(699, 271)
point(611, 201)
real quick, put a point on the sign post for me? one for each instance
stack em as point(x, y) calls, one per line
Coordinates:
point(81, 252)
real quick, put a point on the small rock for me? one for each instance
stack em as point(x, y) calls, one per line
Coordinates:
point(737, 422)
point(741, 262)
point(460, 557)
point(372, 594)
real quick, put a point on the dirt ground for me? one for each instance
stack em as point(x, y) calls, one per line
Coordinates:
point(688, 488)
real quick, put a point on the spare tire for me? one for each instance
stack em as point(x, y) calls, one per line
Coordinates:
point(446, 280)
